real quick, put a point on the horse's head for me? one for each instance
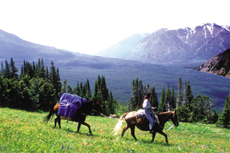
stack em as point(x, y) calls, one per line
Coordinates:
point(174, 119)
point(97, 105)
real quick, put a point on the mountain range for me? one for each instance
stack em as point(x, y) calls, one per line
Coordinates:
point(181, 47)
point(119, 73)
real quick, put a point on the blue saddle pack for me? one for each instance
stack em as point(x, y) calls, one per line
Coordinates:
point(69, 104)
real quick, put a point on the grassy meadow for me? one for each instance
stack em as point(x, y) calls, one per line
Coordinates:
point(22, 131)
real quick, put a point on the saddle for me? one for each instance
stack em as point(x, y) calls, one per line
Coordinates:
point(141, 118)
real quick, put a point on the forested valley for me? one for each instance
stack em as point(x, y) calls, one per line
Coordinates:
point(37, 87)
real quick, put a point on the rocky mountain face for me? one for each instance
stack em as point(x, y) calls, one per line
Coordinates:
point(183, 46)
point(219, 64)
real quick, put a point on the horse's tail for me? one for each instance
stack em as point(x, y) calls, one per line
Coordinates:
point(47, 118)
point(117, 128)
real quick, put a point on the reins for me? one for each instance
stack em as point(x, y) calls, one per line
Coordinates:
point(171, 127)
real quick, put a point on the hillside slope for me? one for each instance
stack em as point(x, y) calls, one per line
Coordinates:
point(23, 131)
point(219, 64)
point(13, 46)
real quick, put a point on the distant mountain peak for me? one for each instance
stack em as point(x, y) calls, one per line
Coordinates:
point(182, 47)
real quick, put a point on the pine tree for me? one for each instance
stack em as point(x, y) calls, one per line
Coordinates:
point(42, 69)
point(104, 89)
point(185, 109)
point(24, 91)
point(137, 94)
point(3, 89)
point(46, 96)
point(173, 98)
point(81, 90)
point(140, 94)
point(64, 87)
point(2, 69)
point(225, 117)
point(146, 89)
point(179, 95)
point(215, 117)
point(7, 70)
point(189, 96)
point(201, 109)
point(162, 105)
point(34, 69)
point(22, 72)
point(168, 99)
point(98, 93)
point(12, 92)
point(88, 94)
point(184, 102)
point(154, 99)
point(47, 74)
point(69, 89)
point(55, 79)
point(207, 105)
point(133, 100)
point(58, 83)
point(76, 90)
point(34, 92)
point(95, 89)
point(13, 69)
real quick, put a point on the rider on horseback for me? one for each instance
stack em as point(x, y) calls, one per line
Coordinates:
point(149, 111)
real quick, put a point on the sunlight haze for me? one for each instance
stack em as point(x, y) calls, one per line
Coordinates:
point(91, 26)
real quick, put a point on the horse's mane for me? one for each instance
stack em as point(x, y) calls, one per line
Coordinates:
point(165, 113)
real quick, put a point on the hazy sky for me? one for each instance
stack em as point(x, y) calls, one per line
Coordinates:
point(89, 26)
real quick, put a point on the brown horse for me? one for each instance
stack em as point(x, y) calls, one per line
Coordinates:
point(143, 123)
point(80, 115)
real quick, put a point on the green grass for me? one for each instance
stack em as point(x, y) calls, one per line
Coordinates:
point(22, 131)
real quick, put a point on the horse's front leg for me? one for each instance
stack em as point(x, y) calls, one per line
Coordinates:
point(153, 137)
point(166, 138)
point(78, 127)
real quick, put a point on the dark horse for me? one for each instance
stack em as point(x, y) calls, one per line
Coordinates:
point(80, 115)
point(143, 123)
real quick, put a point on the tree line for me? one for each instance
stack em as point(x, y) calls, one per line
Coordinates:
point(189, 108)
point(101, 93)
point(36, 88)
point(39, 87)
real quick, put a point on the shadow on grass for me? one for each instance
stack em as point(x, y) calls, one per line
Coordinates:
point(157, 143)
point(146, 141)
point(70, 130)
